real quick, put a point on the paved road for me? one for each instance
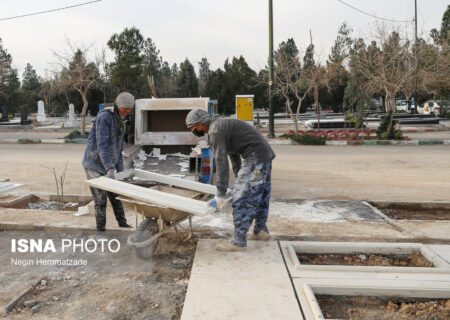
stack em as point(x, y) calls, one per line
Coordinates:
point(409, 173)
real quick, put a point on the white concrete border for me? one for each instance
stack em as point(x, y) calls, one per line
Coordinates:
point(311, 309)
point(291, 248)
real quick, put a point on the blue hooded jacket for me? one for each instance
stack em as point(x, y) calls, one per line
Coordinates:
point(105, 143)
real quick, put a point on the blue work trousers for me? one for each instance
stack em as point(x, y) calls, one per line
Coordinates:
point(251, 197)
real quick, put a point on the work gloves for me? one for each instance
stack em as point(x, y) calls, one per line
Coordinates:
point(111, 174)
point(220, 203)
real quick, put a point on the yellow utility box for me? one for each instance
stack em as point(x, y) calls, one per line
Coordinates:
point(244, 107)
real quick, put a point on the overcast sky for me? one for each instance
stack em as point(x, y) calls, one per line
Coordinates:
point(216, 29)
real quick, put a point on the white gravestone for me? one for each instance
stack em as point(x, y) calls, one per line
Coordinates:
point(72, 122)
point(71, 112)
point(41, 112)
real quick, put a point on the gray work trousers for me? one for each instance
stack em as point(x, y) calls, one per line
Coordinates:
point(100, 203)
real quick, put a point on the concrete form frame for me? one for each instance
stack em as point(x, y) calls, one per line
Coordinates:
point(290, 250)
point(144, 106)
point(311, 309)
point(312, 280)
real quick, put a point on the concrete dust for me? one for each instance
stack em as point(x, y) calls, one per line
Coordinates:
point(323, 211)
point(383, 308)
point(415, 259)
point(55, 205)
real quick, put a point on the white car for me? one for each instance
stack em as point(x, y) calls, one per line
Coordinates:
point(430, 107)
point(404, 105)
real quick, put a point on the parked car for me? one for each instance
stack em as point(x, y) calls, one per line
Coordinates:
point(430, 107)
point(405, 106)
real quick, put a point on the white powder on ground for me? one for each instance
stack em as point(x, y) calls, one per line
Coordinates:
point(310, 211)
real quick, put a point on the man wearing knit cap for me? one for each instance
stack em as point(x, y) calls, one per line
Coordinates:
point(251, 159)
point(103, 156)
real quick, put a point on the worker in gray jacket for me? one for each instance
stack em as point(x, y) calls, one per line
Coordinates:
point(103, 156)
point(251, 158)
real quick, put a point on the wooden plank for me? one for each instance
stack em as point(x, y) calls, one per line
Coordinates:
point(195, 207)
point(182, 183)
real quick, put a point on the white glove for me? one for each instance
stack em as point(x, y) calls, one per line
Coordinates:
point(220, 203)
point(111, 174)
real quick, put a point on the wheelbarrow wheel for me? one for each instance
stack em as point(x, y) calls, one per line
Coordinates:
point(145, 230)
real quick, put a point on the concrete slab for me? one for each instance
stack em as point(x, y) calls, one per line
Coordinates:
point(324, 210)
point(424, 229)
point(442, 251)
point(8, 186)
point(253, 284)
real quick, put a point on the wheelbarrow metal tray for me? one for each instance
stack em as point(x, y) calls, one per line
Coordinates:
point(154, 211)
point(195, 207)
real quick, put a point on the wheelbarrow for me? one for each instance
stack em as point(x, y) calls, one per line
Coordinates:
point(158, 220)
point(163, 207)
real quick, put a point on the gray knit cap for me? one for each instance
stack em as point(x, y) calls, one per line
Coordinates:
point(197, 116)
point(125, 100)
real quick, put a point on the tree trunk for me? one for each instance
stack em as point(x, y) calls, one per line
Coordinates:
point(294, 120)
point(288, 109)
point(390, 103)
point(83, 113)
point(122, 85)
point(297, 114)
point(316, 101)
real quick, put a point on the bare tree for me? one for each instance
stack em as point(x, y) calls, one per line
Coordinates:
point(434, 64)
point(59, 181)
point(76, 73)
point(48, 85)
point(285, 73)
point(317, 77)
point(291, 80)
point(387, 65)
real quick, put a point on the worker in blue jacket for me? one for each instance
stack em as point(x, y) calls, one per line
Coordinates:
point(103, 156)
point(251, 158)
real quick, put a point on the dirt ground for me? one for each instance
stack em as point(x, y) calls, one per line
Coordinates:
point(401, 214)
point(383, 308)
point(415, 259)
point(405, 173)
point(76, 295)
point(299, 172)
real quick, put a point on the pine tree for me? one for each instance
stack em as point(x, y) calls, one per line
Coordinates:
point(187, 80)
point(443, 35)
point(126, 68)
point(338, 75)
point(203, 75)
point(9, 81)
point(30, 79)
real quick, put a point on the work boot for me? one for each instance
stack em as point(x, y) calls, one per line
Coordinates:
point(125, 225)
point(262, 236)
point(227, 246)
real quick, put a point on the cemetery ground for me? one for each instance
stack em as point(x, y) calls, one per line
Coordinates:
point(388, 173)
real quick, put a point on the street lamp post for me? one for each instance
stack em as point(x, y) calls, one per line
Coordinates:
point(415, 55)
point(271, 109)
